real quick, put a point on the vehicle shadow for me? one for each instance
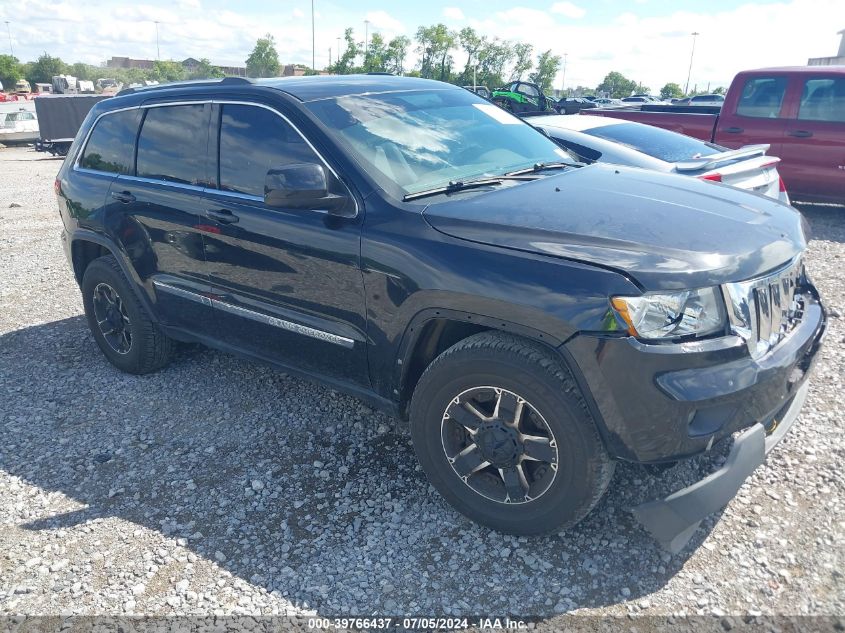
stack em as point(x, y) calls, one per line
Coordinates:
point(295, 488)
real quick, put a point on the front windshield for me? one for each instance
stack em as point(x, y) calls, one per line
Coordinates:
point(423, 139)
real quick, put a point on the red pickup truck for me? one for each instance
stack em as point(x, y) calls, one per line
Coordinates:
point(799, 111)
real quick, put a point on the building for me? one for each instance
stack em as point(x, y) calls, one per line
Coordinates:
point(831, 61)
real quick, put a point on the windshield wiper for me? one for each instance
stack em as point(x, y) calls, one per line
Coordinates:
point(462, 185)
point(538, 167)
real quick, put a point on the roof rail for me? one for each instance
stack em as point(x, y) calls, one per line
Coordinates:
point(226, 81)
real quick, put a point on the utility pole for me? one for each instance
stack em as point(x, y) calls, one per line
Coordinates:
point(313, 41)
point(330, 56)
point(158, 51)
point(9, 31)
point(366, 41)
point(692, 52)
point(563, 79)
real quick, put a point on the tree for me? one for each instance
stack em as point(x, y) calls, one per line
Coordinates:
point(374, 58)
point(671, 91)
point(397, 50)
point(264, 60)
point(523, 62)
point(84, 71)
point(472, 43)
point(205, 70)
point(10, 71)
point(493, 57)
point(346, 63)
point(167, 71)
point(720, 90)
point(547, 67)
point(433, 45)
point(616, 85)
point(45, 68)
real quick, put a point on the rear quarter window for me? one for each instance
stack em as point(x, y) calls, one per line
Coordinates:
point(111, 146)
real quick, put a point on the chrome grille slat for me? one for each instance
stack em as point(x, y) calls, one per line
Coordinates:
point(763, 311)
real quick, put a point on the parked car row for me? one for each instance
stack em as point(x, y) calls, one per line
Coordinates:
point(598, 139)
point(535, 319)
point(798, 111)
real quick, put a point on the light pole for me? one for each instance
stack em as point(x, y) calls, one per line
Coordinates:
point(692, 52)
point(366, 41)
point(158, 50)
point(563, 79)
point(313, 45)
point(9, 31)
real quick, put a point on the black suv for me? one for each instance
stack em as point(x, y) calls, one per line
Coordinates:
point(406, 241)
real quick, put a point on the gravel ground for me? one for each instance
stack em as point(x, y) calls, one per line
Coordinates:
point(221, 487)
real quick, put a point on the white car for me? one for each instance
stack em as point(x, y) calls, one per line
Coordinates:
point(603, 139)
point(18, 123)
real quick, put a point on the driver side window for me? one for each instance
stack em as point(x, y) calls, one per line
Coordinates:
point(254, 140)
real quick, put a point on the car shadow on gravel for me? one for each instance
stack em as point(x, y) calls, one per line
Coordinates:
point(300, 491)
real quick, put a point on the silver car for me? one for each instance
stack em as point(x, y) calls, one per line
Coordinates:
point(603, 139)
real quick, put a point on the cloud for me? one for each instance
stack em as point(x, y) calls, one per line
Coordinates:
point(383, 21)
point(453, 13)
point(297, 13)
point(568, 10)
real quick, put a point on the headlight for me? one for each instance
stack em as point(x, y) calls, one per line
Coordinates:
point(671, 315)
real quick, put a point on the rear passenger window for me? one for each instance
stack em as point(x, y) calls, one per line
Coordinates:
point(254, 140)
point(111, 147)
point(172, 145)
point(823, 100)
point(762, 97)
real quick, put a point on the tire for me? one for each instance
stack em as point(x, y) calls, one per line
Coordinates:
point(148, 349)
point(556, 417)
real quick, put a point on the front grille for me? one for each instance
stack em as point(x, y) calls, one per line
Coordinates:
point(764, 311)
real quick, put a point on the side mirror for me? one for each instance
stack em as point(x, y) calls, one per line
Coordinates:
point(301, 186)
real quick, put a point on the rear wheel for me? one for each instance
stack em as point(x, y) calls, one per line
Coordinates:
point(503, 433)
point(124, 331)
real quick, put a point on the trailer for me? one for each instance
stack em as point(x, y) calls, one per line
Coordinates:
point(59, 119)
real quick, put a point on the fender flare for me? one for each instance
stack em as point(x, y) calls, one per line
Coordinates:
point(86, 235)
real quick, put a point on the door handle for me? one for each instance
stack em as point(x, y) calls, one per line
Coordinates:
point(123, 196)
point(223, 216)
point(800, 133)
point(734, 130)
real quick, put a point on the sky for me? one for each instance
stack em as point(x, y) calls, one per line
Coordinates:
point(646, 40)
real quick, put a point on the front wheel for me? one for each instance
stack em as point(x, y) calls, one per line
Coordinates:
point(503, 433)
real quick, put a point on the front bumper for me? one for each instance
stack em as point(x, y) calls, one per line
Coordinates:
point(662, 403)
point(673, 520)
point(667, 403)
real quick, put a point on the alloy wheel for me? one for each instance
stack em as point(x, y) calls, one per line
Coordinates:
point(499, 445)
point(112, 318)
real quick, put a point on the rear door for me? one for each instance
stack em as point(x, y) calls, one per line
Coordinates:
point(288, 284)
point(155, 211)
point(759, 116)
point(814, 139)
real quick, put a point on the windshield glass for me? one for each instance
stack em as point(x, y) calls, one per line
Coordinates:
point(654, 141)
point(423, 139)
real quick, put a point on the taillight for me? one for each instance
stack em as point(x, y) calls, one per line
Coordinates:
point(781, 184)
point(713, 177)
point(57, 186)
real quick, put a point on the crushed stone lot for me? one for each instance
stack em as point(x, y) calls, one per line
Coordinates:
point(218, 486)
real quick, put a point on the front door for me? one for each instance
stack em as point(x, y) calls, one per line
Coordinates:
point(288, 285)
point(814, 140)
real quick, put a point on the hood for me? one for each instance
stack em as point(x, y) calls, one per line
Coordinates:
point(662, 230)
